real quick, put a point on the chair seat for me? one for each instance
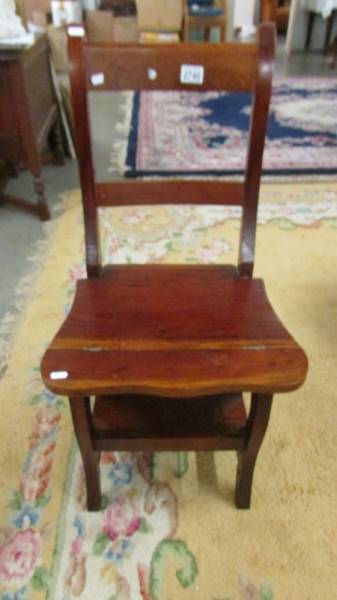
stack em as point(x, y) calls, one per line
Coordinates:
point(172, 331)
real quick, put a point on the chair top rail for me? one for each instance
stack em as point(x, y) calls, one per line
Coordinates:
point(230, 67)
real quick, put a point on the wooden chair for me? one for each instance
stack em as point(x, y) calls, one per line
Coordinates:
point(205, 15)
point(276, 11)
point(328, 28)
point(167, 351)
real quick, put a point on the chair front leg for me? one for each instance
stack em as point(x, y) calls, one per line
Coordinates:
point(256, 429)
point(81, 414)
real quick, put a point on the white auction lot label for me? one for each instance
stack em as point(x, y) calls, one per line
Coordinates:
point(192, 74)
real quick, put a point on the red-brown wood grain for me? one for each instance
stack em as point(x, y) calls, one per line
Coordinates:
point(257, 133)
point(169, 191)
point(230, 67)
point(173, 330)
point(84, 153)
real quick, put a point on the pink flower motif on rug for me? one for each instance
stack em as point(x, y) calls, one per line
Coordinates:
point(212, 251)
point(19, 556)
point(76, 574)
point(121, 519)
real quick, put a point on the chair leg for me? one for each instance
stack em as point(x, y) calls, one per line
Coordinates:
point(256, 429)
point(81, 414)
point(328, 30)
point(311, 18)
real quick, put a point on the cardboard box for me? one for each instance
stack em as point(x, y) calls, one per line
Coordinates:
point(126, 30)
point(57, 38)
point(163, 15)
point(40, 19)
point(102, 27)
point(99, 26)
point(29, 7)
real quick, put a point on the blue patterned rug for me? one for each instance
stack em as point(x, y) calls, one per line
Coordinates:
point(206, 133)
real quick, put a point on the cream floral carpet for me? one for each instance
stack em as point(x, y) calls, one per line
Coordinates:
point(169, 529)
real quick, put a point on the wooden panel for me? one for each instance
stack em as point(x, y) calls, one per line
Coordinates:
point(9, 130)
point(230, 67)
point(174, 331)
point(39, 89)
point(168, 191)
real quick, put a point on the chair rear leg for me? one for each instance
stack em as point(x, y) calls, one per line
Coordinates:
point(256, 429)
point(81, 414)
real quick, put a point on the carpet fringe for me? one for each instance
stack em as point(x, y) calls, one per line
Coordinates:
point(12, 319)
point(119, 146)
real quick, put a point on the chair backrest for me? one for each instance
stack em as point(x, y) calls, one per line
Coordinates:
point(231, 67)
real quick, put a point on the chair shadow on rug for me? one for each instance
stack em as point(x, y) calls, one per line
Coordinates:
point(157, 357)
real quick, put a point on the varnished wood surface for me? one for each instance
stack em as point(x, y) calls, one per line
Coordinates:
point(168, 191)
point(175, 331)
point(157, 345)
point(84, 153)
point(257, 133)
point(229, 67)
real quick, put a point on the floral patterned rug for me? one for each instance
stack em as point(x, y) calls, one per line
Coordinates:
point(169, 529)
point(206, 133)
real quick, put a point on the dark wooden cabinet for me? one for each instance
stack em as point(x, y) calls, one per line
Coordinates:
point(28, 114)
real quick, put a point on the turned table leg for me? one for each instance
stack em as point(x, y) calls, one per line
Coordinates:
point(311, 19)
point(56, 143)
point(42, 206)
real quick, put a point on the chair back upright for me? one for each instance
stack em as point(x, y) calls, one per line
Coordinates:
point(232, 67)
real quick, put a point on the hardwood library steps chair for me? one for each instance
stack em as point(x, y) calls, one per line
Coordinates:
point(157, 357)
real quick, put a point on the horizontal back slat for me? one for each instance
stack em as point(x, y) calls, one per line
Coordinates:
point(230, 67)
point(126, 193)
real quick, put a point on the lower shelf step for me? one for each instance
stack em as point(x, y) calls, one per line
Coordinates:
point(216, 422)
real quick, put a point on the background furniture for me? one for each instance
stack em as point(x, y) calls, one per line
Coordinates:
point(120, 8)
point(206, 15)
point(327, 9)
point(297, 31)
point(276, 11)
point(168, 350)
point(28, 115)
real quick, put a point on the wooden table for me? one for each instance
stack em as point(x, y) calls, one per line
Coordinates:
point(28, 116)
point(327, 9)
